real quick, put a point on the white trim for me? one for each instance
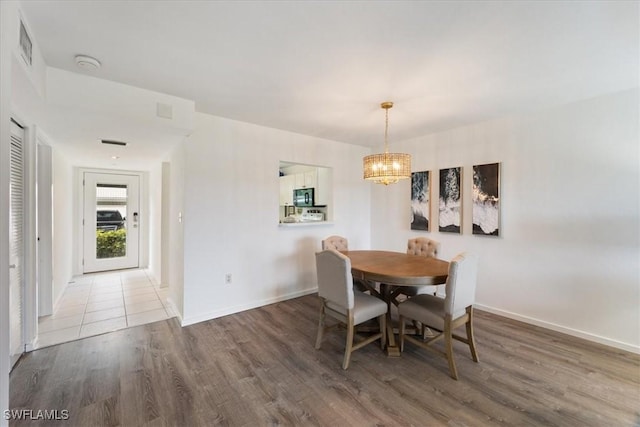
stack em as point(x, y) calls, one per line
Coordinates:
point(33, 345)
point(174, 309)
point(30, 236)
point(143, 224)
point(44, 225)
point(563, 329)
point(243, 307)
point(165, 225)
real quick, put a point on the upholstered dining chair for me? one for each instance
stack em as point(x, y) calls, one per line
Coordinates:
point(422, 246)
point(338, 243)
point(446, 314)
point(340, 301)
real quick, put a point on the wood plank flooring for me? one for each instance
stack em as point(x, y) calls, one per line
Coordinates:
point(259, 368)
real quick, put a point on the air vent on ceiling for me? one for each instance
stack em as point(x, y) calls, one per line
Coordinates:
point(112, 142)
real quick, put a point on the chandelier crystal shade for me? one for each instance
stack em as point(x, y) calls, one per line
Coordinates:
point(387, 168)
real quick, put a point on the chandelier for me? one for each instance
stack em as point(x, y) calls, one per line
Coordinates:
point(387, 168)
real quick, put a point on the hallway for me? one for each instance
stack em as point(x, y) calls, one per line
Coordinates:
point(97, 303)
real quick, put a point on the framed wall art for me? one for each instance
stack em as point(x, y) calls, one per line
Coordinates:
point(486, 199)
point(420, 200)
point(450, 201)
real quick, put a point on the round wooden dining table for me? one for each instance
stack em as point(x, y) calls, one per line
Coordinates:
point(399, 269)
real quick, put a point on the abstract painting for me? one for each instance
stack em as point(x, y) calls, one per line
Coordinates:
point(450, 200)
point(420, 201)
point(486, 199)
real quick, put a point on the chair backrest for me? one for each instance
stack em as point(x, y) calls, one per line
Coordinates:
point(338, 243)
point(461, 284)
point(423, 246)
point(335, 282)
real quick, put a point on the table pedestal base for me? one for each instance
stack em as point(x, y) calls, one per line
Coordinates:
point(393, 351)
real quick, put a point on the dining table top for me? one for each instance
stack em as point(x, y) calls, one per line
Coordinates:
point(397, 268)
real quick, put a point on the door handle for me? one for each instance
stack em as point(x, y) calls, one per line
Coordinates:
point(12, 266)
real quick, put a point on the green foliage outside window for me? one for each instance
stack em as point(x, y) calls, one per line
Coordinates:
point(111, 244)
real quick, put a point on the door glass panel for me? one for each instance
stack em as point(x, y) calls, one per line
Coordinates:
point(111, 214)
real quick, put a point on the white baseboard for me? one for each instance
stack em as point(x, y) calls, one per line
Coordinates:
point(152, 277)
point(563, 329)
point(59, 297)
point(174, 309)
point(243, 307)
point(30, 346)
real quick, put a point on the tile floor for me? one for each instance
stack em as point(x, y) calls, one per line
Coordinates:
point(94, 304)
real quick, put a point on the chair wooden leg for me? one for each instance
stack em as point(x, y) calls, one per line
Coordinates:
point(320, 326)
point(448, 345)
point(401, 333)
point(417, 326)
point(470, 336)
point(349, 345)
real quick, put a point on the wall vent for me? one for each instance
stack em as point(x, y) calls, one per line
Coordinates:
point(164, 110)
point(25, 44)
point(112, 142)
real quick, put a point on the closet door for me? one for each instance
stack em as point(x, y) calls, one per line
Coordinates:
point(16, 244)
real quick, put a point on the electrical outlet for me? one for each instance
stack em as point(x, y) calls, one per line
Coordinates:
point(227, 278)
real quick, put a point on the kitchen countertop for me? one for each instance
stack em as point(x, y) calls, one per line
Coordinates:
point(305, 223)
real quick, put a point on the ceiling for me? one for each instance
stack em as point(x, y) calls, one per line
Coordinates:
point(321, 68)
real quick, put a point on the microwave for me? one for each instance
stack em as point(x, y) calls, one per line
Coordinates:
point(303, 197)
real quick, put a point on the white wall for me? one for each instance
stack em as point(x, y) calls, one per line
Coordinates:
point(231, 196)
point(109, 98)
point(102, 109)
point(568, 255)
point(63, 214)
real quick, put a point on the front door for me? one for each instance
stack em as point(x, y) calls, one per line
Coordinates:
point(111, 224)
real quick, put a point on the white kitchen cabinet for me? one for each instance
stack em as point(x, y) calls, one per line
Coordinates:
point(287, 184)
point(299, 180)
point(306, 179)
point(311, 179)
point(323, 187)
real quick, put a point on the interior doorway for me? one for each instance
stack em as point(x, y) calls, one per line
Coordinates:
point(111, 221)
